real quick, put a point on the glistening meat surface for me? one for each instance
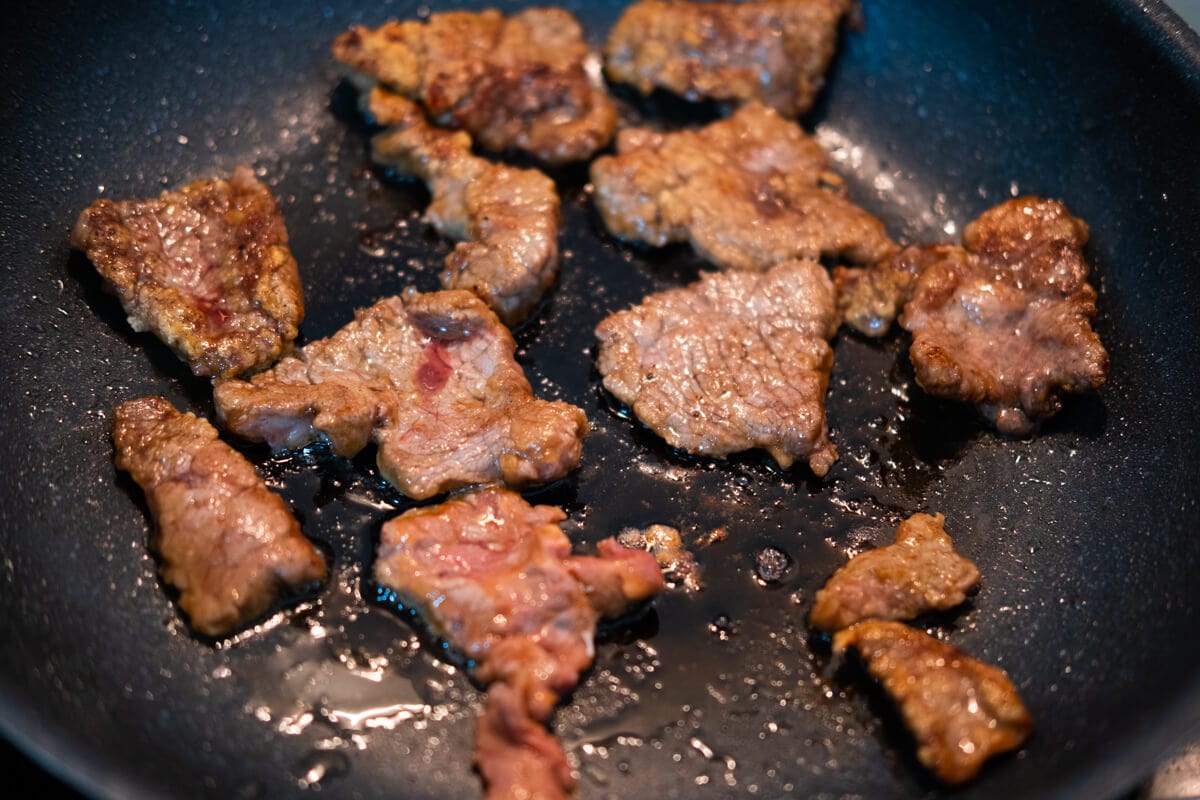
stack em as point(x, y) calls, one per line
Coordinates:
point(228, 544)
point(512, 82)
point(747, 192)
point(736, 361)
point(775, 51)
point(207, 269)
point(495, 577)
point(960, 711)
point(432, 380)
point(507, 219)
point(918, 573)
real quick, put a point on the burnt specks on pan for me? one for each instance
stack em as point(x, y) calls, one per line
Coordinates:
point(228, 544)
point(507, 219)
point(431, 379)
point(512, 82)
point(206, 268)
point(495, 576)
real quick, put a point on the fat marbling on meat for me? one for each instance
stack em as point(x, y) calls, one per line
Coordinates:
point(736, 361)
point(432, 380)
point(1003, 322)
point(961, 711)
point(918, 573)
point(747, 192)
point(206, 268)
point(506, 219)
point(227, 543)
point(512, 82)
point(495, 577)
point(774, 51)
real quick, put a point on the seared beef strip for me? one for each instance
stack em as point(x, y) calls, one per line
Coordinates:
point(960, 711)
point(207, 269)
point(432, 380)
point(508, 218)
point(495, 577)
point(920, 572)
point(511, 82)
point(748, 192)
point(228, 544)
point(1005, 321)
point(774, 51)
point(736, 361)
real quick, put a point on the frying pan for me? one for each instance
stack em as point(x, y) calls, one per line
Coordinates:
point(1085, 535)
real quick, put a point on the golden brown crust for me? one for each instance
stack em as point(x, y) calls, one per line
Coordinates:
point(961, 712)
point(919, 573)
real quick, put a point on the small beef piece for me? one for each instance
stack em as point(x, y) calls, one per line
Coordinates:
point(228, 544)
point(870, 298)
point(432, 380)
point(960, 711)
point(748, 192)
point(507, 218)
point(920, 572)
point(516, 82)
point(736, 361)
point(666, 545)
point(1005, 321)
point(206, 269)
point(495, 577)
point(774, 51)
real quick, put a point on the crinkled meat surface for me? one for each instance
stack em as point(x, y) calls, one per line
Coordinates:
point(775, 51)
point(736, 361)
point(228, 544)
point(432, 380)
point(495, 577)
point(920, 572)
point(507, 219)
point(1005, 321)
point(516, 82)
point(960, 711)
point(747, 192)
point(870, 298)
point(207, 269)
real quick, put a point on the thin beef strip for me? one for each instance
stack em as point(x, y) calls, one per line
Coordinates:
point(747, 192)
point(207, 269)
point(512, 82)
point(918, 573)
point(774, 51)
point(736, 361)
point(507, 218)
point(1005, 321)
point(960, 711)
point(495, 577)
point(228, 544)
point(432, 380)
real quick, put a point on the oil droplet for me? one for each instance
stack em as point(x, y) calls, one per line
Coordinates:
point(319, 767)
point(771, 565)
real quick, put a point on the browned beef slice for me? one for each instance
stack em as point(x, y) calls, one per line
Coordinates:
point(495, 577)
point(207, 269)
point(1005, 321)
point(432, 380)
point(512, 82)
point(918, 573)
point(747, 192)
point(960, 711)
point(774, 51)
point(228, 544)
point(507, 219)
point(736, 361)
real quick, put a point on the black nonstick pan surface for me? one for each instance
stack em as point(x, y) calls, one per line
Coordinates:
point(1086, 535)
